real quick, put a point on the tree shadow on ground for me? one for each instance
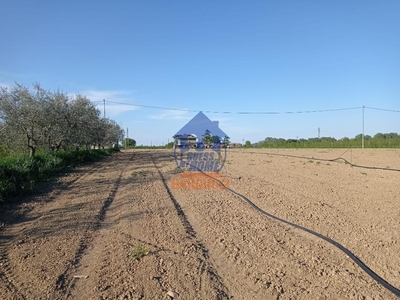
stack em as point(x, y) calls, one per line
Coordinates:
point(89, 213)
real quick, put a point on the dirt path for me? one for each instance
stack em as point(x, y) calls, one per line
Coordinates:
point(206, 244)
point(89, 227)
point(40, 249)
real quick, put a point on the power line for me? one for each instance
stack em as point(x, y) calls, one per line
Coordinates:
point(383, 109)
point(250, 112)
point(237, 112)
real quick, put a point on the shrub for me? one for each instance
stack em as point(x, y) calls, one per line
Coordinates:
point(20, 174)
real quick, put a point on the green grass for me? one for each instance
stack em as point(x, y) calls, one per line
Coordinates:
point(350, 143)
point(19, 174)
point(139, 252)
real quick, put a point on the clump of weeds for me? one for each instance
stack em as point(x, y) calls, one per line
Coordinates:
point(142, 173)
point(139, 252)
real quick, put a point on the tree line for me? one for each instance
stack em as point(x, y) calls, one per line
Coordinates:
point(209, 139)
point(379, 140)
point(33, 119)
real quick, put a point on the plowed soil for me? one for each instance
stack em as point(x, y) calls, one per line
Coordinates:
point(118, 229)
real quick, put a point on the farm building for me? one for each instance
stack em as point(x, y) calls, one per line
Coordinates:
point(194, 130)
point(185, 139)
point(235, 145)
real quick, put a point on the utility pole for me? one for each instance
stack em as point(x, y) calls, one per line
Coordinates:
point(104, 114)
point(362, 138)
point(319, 133)
point(127, 137)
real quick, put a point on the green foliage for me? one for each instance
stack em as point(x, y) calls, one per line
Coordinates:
point(35, 118)
point(20, 174)
point(216, 139)
point(207, 138)
point(129, 143)
point(379, 140)
point(247, 144)
point(4, 152)
point(170, 145)
point(227, 140)
point(139, 252)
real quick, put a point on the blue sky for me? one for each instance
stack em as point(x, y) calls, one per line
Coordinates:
point(214, 55)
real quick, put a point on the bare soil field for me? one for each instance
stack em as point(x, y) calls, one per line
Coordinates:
point(81, 237)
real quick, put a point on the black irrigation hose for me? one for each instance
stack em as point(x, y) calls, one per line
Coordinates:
point(361, 264)
point(327, 159)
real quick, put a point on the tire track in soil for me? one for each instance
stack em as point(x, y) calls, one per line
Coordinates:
point(185, 265)
point(143, 213)
point(65, 281)
point(5, 278)
point(205, 265)
point(6, 273)
point(9, 281)
point(260, 258)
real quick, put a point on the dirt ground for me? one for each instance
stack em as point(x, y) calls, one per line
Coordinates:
point(81, 236)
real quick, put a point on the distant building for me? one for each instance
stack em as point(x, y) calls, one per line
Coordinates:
point(192, 133)
point(185, 139)
point(235, 145)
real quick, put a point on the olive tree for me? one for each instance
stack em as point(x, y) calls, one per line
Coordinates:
point(37, 118)
point(24, 111)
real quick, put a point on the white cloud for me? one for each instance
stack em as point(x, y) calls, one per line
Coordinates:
point(109, 95)
point(116, 109)
point(124, 99)
point(173, 115)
